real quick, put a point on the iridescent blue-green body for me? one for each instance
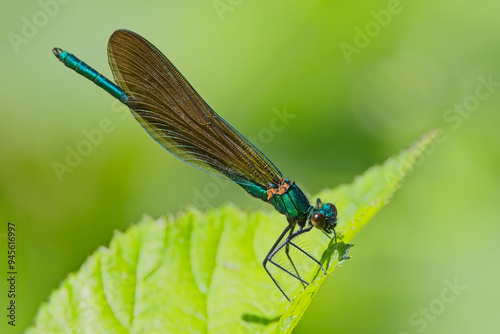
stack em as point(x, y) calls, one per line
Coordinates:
point(293, 204)
point(175, 116)
point(88, 72)
point(287, 198)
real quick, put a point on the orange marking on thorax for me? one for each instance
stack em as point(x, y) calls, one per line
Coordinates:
point(282, 189)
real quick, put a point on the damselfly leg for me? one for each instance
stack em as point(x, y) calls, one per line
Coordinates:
point(289, 235)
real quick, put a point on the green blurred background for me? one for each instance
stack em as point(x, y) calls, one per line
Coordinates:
point(247, 58)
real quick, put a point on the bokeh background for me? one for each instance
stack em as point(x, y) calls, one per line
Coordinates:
point(358, 80)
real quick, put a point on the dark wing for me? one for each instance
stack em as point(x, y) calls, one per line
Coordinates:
point(174, 115)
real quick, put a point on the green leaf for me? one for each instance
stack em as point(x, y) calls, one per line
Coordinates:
point(202, 272)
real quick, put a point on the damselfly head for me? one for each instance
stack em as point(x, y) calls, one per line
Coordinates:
point(324, 217)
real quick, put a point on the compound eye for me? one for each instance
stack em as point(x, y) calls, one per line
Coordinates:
point(332, 208)
point(318, 220)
